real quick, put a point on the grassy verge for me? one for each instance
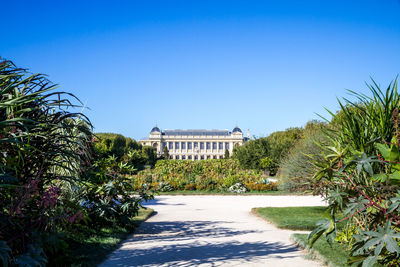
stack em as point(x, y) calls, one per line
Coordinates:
point(94, 249)
point(294, 218)
point(204, 192)
point(305, 218)
point(331, 255)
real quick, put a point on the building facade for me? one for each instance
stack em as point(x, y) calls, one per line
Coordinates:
point(194, 144)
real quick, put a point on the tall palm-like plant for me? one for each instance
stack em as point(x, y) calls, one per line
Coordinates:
point(42, 145)
point(360, 168)
point(361, 123)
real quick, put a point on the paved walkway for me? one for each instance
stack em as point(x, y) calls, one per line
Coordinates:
point(212, 231)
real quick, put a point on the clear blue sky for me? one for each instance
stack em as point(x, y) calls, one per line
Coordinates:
point(265, 65)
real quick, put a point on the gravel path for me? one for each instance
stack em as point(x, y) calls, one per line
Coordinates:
point(212, 231)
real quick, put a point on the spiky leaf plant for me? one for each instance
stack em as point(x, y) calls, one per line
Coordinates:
point(43, 145)
point(359, 169)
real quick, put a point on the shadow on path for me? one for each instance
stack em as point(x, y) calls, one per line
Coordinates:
point(196, 253)
point(178, 231)
point(169, 243)
point(161, 201)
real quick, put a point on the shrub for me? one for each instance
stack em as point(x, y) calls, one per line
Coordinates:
point(165, 187)
point(297, 169)
point(231, 180)
point(262, 187)
point(238, 188)
point(54, 182)
point(360, 175)
point(190, 187)
point(43, 148)
point(213, 174)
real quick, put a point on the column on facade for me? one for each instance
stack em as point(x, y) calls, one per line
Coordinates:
point(211, 147)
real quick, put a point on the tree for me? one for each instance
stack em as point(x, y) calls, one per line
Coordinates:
point(276, 147)
point(281, 142)
point(166, 152)
point(251, 153)
point(150, 154)
point(266, 163)
point(118, 145)
point(126, 149)
point(226, 156)
point(132, 144)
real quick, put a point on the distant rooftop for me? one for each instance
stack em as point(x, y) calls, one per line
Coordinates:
point(196, 132)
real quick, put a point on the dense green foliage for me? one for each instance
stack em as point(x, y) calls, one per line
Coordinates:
point(166, 153)
point(54, 183)
point(226, 154)
point(125, 149)
point(280, 143)
point(360, 174)
point(212, 174)
point(250, 153)
point(297, 169)
point(276, 147)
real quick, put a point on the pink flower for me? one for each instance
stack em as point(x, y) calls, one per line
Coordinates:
point(50, 197)
point(76, 217)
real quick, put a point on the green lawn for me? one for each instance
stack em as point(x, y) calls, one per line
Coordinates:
point(334, 255)
point(204, 192)
point(94, 249)
point(305, 218)
point(294, 218)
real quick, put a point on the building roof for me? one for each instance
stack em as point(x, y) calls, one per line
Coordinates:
point(236, 129)
point(155, 129)
point(197, 132)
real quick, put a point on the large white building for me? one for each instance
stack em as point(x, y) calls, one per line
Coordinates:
point(194, 144)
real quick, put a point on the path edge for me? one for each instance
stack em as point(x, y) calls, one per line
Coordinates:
point(311, 252)
point(130, 235)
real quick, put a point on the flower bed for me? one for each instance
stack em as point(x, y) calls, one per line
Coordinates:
point(213, 174)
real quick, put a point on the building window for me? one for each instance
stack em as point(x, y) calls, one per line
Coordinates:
point(196, 157)
point(208, 145)
point(177, 157)
point(183, 157)
point(214, 157)
point(189, 145)
point(170, 157)
point(170, 144)
point(221, 145)
point(190, 157)
point(164, 144)
point(201, 145)
point(202, 157)
point(183, 145)
point(214, 145)
point(176, 145)
point(221, 157)
point(208, 157)
point(227, 146)
point(196, 145)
